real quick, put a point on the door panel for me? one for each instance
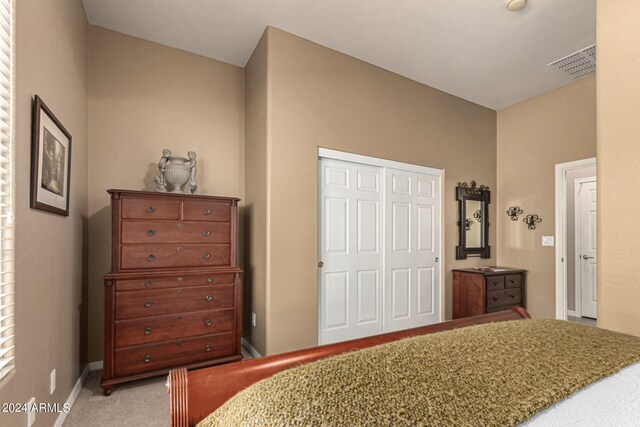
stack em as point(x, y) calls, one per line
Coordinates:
point(412, 227)
point(368, 296)
point(587, 249)
point(336, 286)
point(400, 293)
point(349, 291)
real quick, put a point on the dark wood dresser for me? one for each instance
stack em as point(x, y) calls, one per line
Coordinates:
point(484, 291)
point(174, 294)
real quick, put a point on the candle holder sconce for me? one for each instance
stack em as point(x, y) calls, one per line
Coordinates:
point(531, 220)
point(513, 212)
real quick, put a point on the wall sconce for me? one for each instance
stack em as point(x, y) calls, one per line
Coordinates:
point(478, 215)
point(467, 223)
point(532, 220)
point(513, 212)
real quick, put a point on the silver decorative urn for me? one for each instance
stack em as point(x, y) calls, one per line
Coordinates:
point(176, 172)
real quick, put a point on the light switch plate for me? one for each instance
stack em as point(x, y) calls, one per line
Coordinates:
point(547, 241)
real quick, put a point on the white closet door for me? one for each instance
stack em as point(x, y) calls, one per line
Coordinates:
point(350, 249)
point(412, 250)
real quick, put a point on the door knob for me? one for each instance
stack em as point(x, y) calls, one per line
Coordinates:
point(587, 257)
point(320, 264)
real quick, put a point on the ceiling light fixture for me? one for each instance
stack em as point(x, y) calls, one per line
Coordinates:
point(515, 5)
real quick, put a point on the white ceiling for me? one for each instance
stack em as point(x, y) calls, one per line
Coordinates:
point(475, 49)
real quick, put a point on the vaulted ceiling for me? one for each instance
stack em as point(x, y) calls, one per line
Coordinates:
point(475, 49)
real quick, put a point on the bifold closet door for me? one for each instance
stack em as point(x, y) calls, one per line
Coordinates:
point(350, 251)
point(412, 250)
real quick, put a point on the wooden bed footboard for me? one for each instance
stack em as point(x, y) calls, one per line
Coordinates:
point(195, 394)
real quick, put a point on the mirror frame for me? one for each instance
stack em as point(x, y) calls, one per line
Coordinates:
point(482, 194)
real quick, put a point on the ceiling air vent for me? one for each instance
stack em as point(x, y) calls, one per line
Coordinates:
point(578, 64)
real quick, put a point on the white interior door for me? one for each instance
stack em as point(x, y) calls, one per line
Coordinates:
point(412, 250)
point(586, 246)
point(350, 247)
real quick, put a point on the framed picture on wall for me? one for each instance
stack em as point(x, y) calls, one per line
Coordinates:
point(50, 161)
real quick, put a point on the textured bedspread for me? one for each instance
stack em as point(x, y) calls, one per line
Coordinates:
point(497, 374)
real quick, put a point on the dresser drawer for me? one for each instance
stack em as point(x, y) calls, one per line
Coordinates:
point(513, 281)
point(495, 283)
point(172, 326)
point(150, 209)
point(505, 297)
point(175, 232)
point(146, 358)
point(206, 211)
point(174, 255)
point(136, 304)
point(178, 280)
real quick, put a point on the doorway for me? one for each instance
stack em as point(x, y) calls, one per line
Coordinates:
point(576, 259)
point(379, 246)
point(585, 253)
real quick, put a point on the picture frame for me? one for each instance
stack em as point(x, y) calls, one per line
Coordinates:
point(50, 161)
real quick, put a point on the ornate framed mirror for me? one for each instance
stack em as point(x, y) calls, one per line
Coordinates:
point(473, 220)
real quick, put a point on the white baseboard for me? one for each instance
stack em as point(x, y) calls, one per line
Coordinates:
point(72, 397)
point(250, 349)
point(95, 366)
point(572, 313)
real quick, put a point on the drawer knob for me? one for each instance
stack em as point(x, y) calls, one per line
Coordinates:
point(148, 303)
point(180, 279)
point(209, 279)
point(208, 322)
point(148, 283)
point(179, 291)
point(207, 211)
point(206, 255)
point(209, 298)
point(151, 209)
point(147, 331)
point(513, 281)
point(147, 359)
point(495, 283)
point(512, 296)
point(151, 257)
point(179, 225)
point(151, 232)
point(495, 298)
point(208, 348)
point(179, 343)
point(206, 233)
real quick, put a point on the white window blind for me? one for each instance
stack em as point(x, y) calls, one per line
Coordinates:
point(7, 319)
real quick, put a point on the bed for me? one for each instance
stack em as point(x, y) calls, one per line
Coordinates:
point(196, 394)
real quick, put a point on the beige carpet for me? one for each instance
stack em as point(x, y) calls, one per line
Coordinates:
point(141, 403)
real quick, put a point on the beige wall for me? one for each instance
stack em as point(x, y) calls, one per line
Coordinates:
point(146, 97)
point(255, 265)
point(319, 97)
point(618, 42)
point(534, 136)
point(52, 54)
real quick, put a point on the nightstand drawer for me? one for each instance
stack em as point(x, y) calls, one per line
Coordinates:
point(173, 326)
point(495, 283)
point(150, 208)
point(513, 281)
point(504, 297)
point(136, 304)
point(151, 232)
point(145, 358)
